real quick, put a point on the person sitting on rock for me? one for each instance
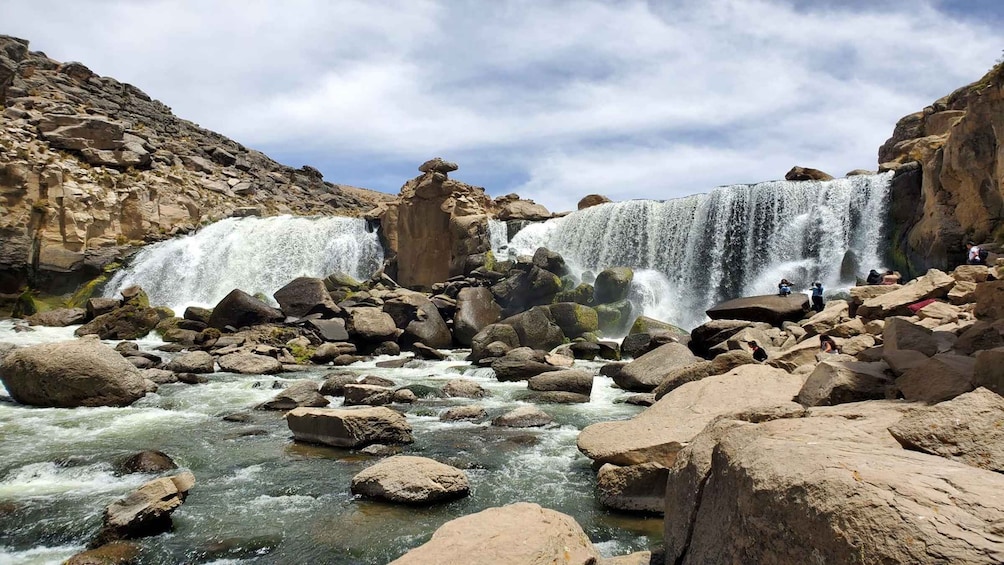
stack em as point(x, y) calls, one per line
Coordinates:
point(827, 345)
point(759, 354)
point(874, 277)
point(817, 296)
point(784, 288)
point(891, 277)
point(975, 255)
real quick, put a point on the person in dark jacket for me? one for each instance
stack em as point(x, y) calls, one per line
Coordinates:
point(759, 354)
point(874, 277)
point(817, 296)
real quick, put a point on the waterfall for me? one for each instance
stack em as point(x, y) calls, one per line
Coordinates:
point(690, 253)
point(256, 255)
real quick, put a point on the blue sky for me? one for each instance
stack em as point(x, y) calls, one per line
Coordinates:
point(552, 100)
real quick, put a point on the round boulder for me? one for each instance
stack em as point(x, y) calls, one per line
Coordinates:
point(411, 480)
point(195, 362)
point(249, 364)
point(70, 374)
point(612, 284)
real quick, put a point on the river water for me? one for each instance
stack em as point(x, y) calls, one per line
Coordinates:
point(260, 497)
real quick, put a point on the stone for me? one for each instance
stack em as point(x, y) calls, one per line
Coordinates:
point(249, 364)
point(706, 336)
point(900, 333)
point(328, 352)
point(518, 534)
point(858, 499)
point(805, 173)
point(411, 480)
point(834, 382)
point(989, 370)
point(968, 428)
point(934, 284)
point(635, 488)
point(438, 165)
point(556, 397)
point(550, 261)
point(572, 380)
point(524, 288)
point(329, 330)
point(834, 313)
point(658, 433)
point(574, 319)
point(614, 317)
point(146, 511)
point(979, 336)
point(591, 200)
point(58, 318)
point(149, 461)
point(523, 210)
point(195, 362)
point(296, 394)
point(990, 300)
point(334, 383)
point(371, 325)
point(523, 417)
point(770, 308)
point(963, 292)
point(159, 376)
point(476, 309)
point(98, 306)
point(721, 364)
point(463, 413)
point(351, 428)
point(114, 553)
point(492, 333)
point(653, 327)
point(68, 374)
point(303, 295)
point(197, 314)
point(423, 351)
point(514, 367)
point(239, 309)
point(645, 373)
point(465, 388)
point(611, 285)
point(943, 312)
point(901, 361)
point(127, 322)
point(359, 394)
point(971, 273)
point(942, 377)
point(536, 329)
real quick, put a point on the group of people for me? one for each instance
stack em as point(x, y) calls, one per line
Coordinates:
point(784, 289)
point(889, 277)
point(826, 345)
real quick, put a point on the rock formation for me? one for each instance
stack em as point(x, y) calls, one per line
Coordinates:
point(91, 167)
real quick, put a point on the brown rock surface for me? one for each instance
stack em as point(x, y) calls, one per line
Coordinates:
point(349, 427)
point(411, 480)
point(147, 510)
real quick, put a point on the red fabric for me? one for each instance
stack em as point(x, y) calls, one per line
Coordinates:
point(916, 306)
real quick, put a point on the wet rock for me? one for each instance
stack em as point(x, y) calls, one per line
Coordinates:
point(195, 362)
point(371, 324)
point(423, 351)
point(387, 348)
point(411, 480)
point(239, 309)
point(517, 534)
point(58, 318)
point(146, 511)
point(574, 319)
point(68, 374)
point(160, 376)
point(295, 395)
point(349, 427)
point(302, 296)
point(476, 308)
point(643, 399)
point(516, 366)
point(114, 553)
point(128, 322)
point(492, 333)
point(645, 373)
point(573, 380)
point(463, 413)
point(98, 306)
point(192, 378)
point(611, 285)
point(636, 488)
point(197, 314)
point(523, 417)
point(613, 318)
point(465, 388)
point(327, 352)
point(334, 383)
point(369, 395)
point(526, 288)
point(249, 364)
point(149, 461)
point(771, 309)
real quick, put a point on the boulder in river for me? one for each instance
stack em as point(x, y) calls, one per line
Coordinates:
point(239, 309)
point(130, 321)
point(611, 285)
point(146, 511)
point(149, 461)
point(58, 318)
point(645, 373)
point(476, 308)
point(198, 362)
point(357, 427)
point(249, 364)
point(411, 480)
point(523, 417)
point(303, 295)
point(83, 372)
point(769, 308)
point(295, 395)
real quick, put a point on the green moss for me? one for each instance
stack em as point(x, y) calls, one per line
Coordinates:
point(164, 312)
point(490, 260)
point(301, 354)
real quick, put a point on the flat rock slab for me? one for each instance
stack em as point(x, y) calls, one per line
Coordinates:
point(517, 534)
point(249, 364)
point(658, 433)
point(349, 427)
point(645, 373)
point(769, 308)
point(411, 480)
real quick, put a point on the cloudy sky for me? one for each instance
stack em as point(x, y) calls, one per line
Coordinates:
point(550, 99)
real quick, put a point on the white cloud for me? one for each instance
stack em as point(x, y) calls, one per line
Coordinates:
point(631, 99)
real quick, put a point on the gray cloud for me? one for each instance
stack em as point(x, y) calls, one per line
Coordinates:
point(631, 99)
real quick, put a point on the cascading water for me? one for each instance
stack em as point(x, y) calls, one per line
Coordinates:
point(256, 255)
point(693, 252)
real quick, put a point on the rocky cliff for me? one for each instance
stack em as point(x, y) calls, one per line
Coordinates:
point(949, 184)
point(91, 168)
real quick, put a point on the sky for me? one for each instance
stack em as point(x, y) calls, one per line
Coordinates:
point(552, 100)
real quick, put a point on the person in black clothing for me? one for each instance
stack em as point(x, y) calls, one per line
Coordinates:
point(817, 296)
point(759, 354)
point(874, 277)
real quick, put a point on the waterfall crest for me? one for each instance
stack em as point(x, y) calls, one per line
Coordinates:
point(733, 241)
point(256, 255)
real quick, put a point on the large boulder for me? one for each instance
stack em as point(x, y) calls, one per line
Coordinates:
point(303, 295)
point(990, 300)
point(574, 319)
point(536, 329)
point(721, 364)
point(705, 337)
point(770, 308)
point(146, 511)
point(612, 285)
point(968, 428)
point(658, 433)
point(476, 308)
point(68, 374)
point(523, 417)
point(371, 325)
point(300, 393)
point(411, 480)
point(492, 333)
point(806, 173)
point(518, 534)
point(648, 371)
point(526, 287)
point(934, 284)
point(550, 261)
point(836, 382)
point(846, 494)
point(197, 362)
point(239, 309)
point(357, 427)
point(637, 488)
point(941, 377)
point(899, 333)
point(570, 380)
point(521, 364)
point(127, 322)
point(249, 364)
point(58, 318)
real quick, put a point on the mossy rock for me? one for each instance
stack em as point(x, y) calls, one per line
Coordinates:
point(581, 294)
point(643, 324)
point(614, 317)
point(339, 280)
point(164, 312)
point(166, 324)
point(612, 285)
point(574, 319)
point(301, 354)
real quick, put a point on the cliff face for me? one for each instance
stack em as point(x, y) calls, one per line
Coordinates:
point(91, 168)
point(949, 185)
